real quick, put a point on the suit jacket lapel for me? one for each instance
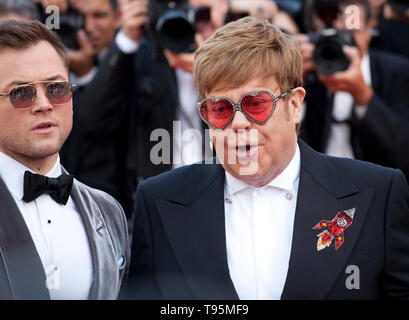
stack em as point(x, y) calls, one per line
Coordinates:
point(323, 192)
point(102, 249)
point(194, 223)
point(22, 274)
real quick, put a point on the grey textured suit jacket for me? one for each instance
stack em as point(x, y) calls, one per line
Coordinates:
point(22, 275)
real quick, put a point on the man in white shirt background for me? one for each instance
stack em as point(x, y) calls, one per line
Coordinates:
point(59, 238)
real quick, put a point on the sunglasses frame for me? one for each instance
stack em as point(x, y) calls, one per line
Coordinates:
point(237, 106)
point(31, 84)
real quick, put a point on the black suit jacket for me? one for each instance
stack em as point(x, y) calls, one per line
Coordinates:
point(155, 100)
point(179, 242)
point(382, 135)
point(22, 275)
point(393, 35)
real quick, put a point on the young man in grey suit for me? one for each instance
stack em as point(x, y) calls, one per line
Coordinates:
point(59, 239)
point(274, 220)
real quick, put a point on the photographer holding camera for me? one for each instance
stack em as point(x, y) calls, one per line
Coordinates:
point(358, 109)
point(163, 88)
point(102, 66)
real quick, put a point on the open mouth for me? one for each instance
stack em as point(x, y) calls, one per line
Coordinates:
point(44, 126)
point(246, 151)
point(245, 148)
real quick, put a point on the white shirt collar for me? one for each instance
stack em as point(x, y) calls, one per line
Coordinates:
point(286, 180)
point(12, 173)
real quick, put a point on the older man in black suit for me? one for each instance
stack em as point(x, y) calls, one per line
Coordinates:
point(59, 239)
point(276, 220)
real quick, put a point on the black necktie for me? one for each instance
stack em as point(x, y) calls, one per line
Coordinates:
point(58, 188)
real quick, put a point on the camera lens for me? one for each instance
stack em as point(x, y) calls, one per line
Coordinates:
point(176, 31)
point(177, 35)
point(328, 56)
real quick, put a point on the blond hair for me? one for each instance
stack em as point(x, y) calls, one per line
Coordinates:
point(245, 49)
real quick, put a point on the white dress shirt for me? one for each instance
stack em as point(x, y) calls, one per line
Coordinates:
point(57, 232)
point(339, 144)
point(259, 232)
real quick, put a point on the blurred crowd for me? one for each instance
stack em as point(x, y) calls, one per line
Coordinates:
point(132, 61)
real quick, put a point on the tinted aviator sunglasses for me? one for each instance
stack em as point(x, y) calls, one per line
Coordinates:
point(258, 106)
point(57, 92)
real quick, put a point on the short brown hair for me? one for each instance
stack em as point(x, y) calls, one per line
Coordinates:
point(21, 35)
point(245, 49)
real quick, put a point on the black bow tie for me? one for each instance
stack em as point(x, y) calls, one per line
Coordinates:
point(58, 188)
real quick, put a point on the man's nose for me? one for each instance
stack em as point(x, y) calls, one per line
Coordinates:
point(41, 102)
point(89, 24)
point(240, 121)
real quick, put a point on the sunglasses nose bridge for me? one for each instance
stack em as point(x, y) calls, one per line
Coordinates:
point(40, 98)
point(236, 106)
point(239, 119)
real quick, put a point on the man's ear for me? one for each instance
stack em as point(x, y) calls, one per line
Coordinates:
point(296, 99)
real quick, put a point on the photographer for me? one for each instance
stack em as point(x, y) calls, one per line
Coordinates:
point(163, 88)
point(102, 66)
point(362, 111)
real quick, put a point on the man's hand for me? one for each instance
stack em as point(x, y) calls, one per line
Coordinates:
point(262, 9)
point(134, 17)
point(306, 50)
point(218, 10)
point(350, 80)
point(82, 60)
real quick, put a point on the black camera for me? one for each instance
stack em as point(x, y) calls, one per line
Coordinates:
point(328, 56)
point(70, 22)
point(172, 24)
